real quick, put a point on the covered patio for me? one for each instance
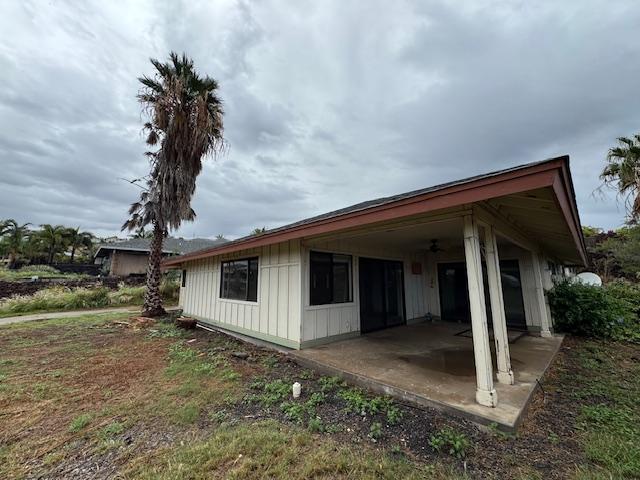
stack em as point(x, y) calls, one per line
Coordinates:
point(432, 364)
point(420, 295)
point(440, 326)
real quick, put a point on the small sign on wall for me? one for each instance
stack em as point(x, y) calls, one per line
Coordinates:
point(416, 268)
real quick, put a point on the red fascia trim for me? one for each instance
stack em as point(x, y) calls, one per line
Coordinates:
point(567, 205)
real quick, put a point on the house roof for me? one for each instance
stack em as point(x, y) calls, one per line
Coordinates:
point(553, 173)
point(171, 245)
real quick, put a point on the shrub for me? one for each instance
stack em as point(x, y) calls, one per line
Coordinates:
point(628, 296)
point(170, 289)
point(42, 271)
point(39, 269)
point(585, 310)
point(125, 295)
point(63, 298)
point(56, 298)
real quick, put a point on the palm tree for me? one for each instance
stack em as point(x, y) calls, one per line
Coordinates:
point(15, 236)
point(258, 231)
point(622, 172)
point(54, 239)
point(78, 239)
point(142, 233)
point(185, 126)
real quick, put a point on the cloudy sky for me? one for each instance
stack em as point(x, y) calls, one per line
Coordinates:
point(328, 103)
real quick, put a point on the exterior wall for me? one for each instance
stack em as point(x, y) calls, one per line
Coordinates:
point(123, 263)
point(324, 323)
point(449, 254)
point(275, 317)
point(506, 252)
point(283, 314)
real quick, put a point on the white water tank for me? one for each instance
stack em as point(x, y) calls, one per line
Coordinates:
point(589, 278)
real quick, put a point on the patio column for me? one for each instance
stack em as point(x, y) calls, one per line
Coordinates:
point(485, 392)
point(499, 320)
point(545, 325)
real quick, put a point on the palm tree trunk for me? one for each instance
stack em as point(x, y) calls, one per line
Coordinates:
point(153, 300)
point(73, 252)
point(12, 260)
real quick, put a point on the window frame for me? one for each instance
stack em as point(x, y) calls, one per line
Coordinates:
point(243, 259)
point(351, 293)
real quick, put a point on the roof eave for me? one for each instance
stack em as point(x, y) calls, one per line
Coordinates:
point(538, 175)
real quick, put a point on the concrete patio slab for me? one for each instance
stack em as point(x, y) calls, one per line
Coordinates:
point(430, 364)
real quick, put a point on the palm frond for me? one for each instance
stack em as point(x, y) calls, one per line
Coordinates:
point(185, 126)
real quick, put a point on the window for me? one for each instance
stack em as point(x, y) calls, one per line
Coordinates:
point(330, 278)
point(184, 278)
point(240, 280)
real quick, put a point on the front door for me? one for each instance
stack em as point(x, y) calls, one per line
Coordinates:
point(381, 294)
point(454, 295)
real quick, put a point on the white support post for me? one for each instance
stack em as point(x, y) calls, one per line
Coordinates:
point(485, 392)
point(545, 325)
point(498, 317)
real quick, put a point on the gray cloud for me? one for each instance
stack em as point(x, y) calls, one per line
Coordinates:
point(327, 104)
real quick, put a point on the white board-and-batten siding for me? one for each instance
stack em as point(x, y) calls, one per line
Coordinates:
point(275, 316)
point(282, 313)
point(322, 323)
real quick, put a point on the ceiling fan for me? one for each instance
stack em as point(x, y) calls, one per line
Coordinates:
point(434, 248)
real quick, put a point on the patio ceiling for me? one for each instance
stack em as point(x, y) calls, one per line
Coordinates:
point(411, 238)
point(538, 216)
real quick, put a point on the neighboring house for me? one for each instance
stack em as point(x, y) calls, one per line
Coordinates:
point(130, 257)
point(428, 254)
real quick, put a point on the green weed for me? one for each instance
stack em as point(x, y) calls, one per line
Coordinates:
point(328, 384)
point(315, 425)
point(394, 415)
point(271, 393)
point(80, 422)
point(450, 441)
point(187, 414)
point(112, 430)
point(293, 411)
point(375, 431)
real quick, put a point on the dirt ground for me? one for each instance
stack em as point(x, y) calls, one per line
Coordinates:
point(105, 397)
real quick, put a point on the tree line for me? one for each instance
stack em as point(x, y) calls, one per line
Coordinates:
point(22, 244)
point(614, 253)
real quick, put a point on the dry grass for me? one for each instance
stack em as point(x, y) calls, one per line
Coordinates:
point(60, 298)
point(88, 397)
point(56, 372)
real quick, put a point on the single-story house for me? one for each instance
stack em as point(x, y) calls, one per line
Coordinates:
point(479, 251)
point(131, 257)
